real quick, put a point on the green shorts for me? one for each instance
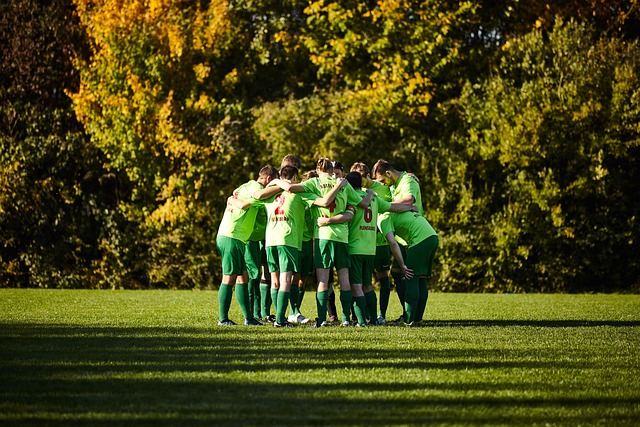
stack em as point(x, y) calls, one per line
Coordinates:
point(361, 269)
point(382, 260)
point(253, 259)
point(232, 252)
point(306, 258)
point(329, 254)
point(282, 258)
point(420, 257)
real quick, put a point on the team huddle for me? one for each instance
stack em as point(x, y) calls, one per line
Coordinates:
point(280, 229)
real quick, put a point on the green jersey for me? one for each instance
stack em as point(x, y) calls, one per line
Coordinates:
point(384, 193)
point(239, 223)
point(346, 196)
point(363, 226)
point(286, 218)
point(410, 226)
point(408, 186)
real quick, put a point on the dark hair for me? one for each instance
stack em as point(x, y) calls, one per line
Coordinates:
point(324, 165)
point(288, 172)
point(355, 179)
point(361, 168)
point(338, 165)
point(381, 167)
point(309, 174)
point(268, 172)
point(291, 160)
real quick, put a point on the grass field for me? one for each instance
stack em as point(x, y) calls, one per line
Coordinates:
point(154, 358)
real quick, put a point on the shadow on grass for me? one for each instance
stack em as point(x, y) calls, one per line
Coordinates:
point(213, 376)
point(534, 323)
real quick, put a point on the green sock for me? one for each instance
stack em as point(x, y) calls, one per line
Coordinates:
point(254, 297)
point(400, 283)
point(422, 299)
point(411, 297)
point(283, 301)
point(265, 299)
point(224, 294)
point(301, 297)
point(293, 299)
point(372, 304)
point(274, 298)
point(322, 298)
point(242, 295)
point(385, 292)
point(345, 301)
point(360, 307)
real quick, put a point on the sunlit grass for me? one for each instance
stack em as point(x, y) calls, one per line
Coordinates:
point(156, 358)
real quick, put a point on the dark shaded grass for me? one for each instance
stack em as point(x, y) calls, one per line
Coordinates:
point(151, 358)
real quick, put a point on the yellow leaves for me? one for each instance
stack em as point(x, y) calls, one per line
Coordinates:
point(201, 72)
point(170, 213)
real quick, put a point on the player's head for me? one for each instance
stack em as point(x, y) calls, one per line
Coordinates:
point(267, 173)
point(312, 173)
point(364, 171)
point(338, 169)
point(355, 179)
point(383, 171)
point(290, 173)
point(324, 165)
point(291, 160)
point(309, 174)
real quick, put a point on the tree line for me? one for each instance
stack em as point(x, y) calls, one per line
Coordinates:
point(124, 126)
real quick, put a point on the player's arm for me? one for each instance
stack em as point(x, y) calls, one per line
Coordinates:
point(267, 192)
point(402, 207)
point(287, 186)
point(397, 254)
point(354, 198)
point(366, 200)
point(328, 198)
point(238, 203)
point(341, 218)
point(406, 200)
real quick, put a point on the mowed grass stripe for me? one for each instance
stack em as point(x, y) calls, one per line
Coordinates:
point(156, 358)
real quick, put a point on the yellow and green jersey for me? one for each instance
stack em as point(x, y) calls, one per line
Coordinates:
point(238, 223)
point(412, 227)
point(347, 196)
point(363, 227)
point(286, 218)
point(384, 193)
point(405, 186)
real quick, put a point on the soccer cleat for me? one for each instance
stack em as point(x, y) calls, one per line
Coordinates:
point(252, 322)
point(346, 323)
point(358, 325)
point(410, 325)
point(269, 319)
point(319, 324)
point(381, 320)
point(284, 324)
point(226, 322)
point(301, 319)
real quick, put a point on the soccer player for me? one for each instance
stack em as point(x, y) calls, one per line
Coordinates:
point(338, 172)
point(362, 249)
point(235, 228)
point(306, 261)
point(382, 261)
point(422, 243)
point(286, 220)
point(404, 188)
point(331, 242)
